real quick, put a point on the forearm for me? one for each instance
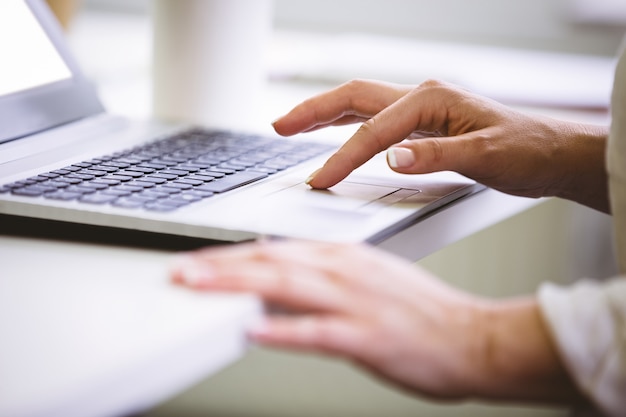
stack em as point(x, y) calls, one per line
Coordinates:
point(520, 361)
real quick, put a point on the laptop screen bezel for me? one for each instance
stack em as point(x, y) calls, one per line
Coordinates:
point(37, 109)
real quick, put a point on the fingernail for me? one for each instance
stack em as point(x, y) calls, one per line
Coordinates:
point(277, 120)
point(312, 176)
point(191, 272)
point(400, 157)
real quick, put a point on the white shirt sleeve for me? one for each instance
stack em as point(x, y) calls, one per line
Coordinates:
point(588, 323)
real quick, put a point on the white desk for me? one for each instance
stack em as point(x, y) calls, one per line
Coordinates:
point(96, 330)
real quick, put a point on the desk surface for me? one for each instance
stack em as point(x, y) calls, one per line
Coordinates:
point(97, 330)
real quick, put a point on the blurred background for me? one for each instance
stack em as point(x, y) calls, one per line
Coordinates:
point(556, 241)
point(589, 26)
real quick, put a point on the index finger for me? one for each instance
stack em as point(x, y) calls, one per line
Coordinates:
point(351, 102)
point(422, 109)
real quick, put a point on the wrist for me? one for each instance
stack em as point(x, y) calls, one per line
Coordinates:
point(516, 359)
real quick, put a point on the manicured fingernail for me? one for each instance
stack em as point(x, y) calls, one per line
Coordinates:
point(400, 157)
point(277, 120)
point(312, 176)
point(191, 272)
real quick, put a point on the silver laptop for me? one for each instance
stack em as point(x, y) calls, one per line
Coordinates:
point(63, 158)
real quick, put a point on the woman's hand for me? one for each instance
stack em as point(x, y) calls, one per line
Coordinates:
point(389, 316)
point(451, 129)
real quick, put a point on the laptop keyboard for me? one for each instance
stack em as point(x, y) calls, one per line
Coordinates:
point(169, 173)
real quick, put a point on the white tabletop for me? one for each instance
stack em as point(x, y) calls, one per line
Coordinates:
point(97, 330)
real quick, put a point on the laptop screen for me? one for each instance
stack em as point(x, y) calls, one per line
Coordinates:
point(30, 60)
point(40, 84)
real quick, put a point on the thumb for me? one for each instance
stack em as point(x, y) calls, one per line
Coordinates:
point(421, 156)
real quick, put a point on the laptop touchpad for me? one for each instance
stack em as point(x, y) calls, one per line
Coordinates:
point(345, 196)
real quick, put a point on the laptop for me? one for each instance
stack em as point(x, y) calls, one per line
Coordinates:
point(64, 159)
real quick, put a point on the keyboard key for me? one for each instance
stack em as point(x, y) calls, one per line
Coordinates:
point(167, 190)
point(201, 178)
point(220, 170)
point(126, 203)
point(49, 175)
point(84, 177)
point(230, 167)
point(92, 172)
point(80, 190)
point(62, 195)
point(93, 185)
point(141, 183)
point(162, 162)
point(157, 206)
point(69, 180)
point(106, 181)
point(119, 193)
point(60, 172)
point(27, 192)
point(39, 178)
point(82, 165)
point(117, 177)
point(177, 185)
point(154, 180)
point(116, 164)
point(140, 197)
point(98, 198)
point(153, 194)
point(189, 181)
point(174, 201)
point(130, 188)
point(198, 165)
point(200, 193)
point(55, 184)
point(104, 168)
point(185, 197)
point(230, 182)
point(163, 176)
point(188, 168)
point(127, 173)
point(144, 170)
point(152, 165)
point(177, 172)
point(263, 169)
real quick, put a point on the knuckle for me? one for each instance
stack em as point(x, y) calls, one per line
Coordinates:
point(355, 84)
point(370, 131)
point(436, 149)
point(441, 88)
point(433, 83)
point(484, 145)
